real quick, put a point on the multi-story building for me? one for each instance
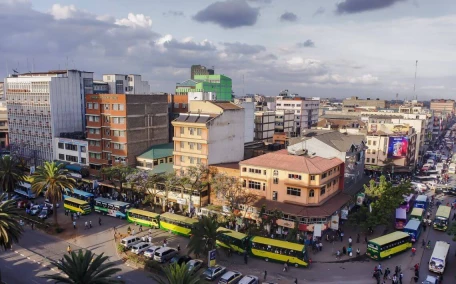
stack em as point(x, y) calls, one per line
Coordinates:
point(305, 110)
point(158, 159)
point(200, 70)
point(42, 105)
point(284, 121)
point(221, 85)
point(100, 87)
point(249, 119)
point(391, 147)
point(441, 105)
point(2, 94)
point(264, 125)
point(350, 104)
point(329, 144)
point(306, 188)
point(71, 150)
point(4, 141)
point(210, 133)
point(126, 84)
point(121, 127)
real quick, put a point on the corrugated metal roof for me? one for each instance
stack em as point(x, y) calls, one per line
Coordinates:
point(158, 152)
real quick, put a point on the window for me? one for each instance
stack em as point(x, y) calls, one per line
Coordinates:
point(95, 155)
point(191, 145)
point(369, 142)
point(191, 130)
point(182, 145)
point(274, 195)
point(373, 151)
point(276, 180)
point(118, 120)
point(83, 161)
point(293, 176)
point(323, 190)
point(254, 185)
point(106, 106)
point(71, 147)
point(198, 161)
point(94, 143)
point(199, 131)
point(368, 151)
point(311, 193)
point(182, 130)
point(118, 146)
point(60, 145)
point(182, 158)
point(324, 175)
point(95, 105)
point(367, 160)
point(61, 157)
point(374, 142)
point(90, 105)
point(244, 169)
point(192, 160)
point(93, 118)
point(373, 160)
point(117, 107)
point(293, 191)
point(83, 149)
point(119, 133)
point(312, 177)
point(264, 186)
point(71, 158)
point(334, 182)
point(255, 171)
point(199, 146)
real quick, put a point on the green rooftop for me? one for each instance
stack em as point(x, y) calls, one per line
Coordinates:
point(164, 168)
point(158, 152)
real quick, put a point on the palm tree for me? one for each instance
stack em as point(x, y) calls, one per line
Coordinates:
point(178, 274)
point(53, 179)
point(85, 268)
point(10, 174)
point(204, 236)
point(10, 229)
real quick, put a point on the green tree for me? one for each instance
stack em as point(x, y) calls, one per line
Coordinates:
point(194, 179)
point(170, 181)
point(204, 236)
point(145, 183)
point(10, 229)
point(452, 230)
point(118, 173)
point(178, 274)
point(85, 268)
point(360, 219)
point(52, 179)
point(10, 174)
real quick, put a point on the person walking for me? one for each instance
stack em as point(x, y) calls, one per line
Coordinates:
point(86, 225)
point(413, 251)
point(296, 281)
point(454, 216)
point(285, 267)
point(401, 276)
point(423, 243)
point(178, 248)
point(357, 238)
point(99, 221)
point(358, 252)
point(341, 236)
point(74, 224)
point(69, 249)
point(350, 241)
point(265, 275)
point(90, 224)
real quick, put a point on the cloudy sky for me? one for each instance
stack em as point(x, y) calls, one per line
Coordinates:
point(326, 48)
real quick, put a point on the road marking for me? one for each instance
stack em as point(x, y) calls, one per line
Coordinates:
point(16, 251)
point(22, 255)
point(28, 257)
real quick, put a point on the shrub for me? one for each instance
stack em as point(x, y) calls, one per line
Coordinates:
point(58, 230)
point(153, 266)
point(121, 248)
point(136, 259)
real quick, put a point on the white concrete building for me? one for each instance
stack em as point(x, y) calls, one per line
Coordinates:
point(71, 151)
point(249, 120)
point(2, 94)
point(305, 110)
point(264, 125)
point(284, 121)
point(126, 84)
point(42, 105)
point(201, 96)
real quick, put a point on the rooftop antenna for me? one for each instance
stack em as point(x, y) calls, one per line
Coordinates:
point(243, 86)
point(414, 83)
point(33, 64)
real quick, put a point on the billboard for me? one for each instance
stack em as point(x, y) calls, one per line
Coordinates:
point(389, 128)
point(397, 147)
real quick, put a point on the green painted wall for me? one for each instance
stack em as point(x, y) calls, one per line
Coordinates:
point(220, 84)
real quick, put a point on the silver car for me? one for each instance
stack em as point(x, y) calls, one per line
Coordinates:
point(151, 251)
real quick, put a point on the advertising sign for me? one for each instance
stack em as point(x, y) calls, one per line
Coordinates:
point(285, 223)
point(344, 214)
point(397, 147)
point(211, 257)
point(334, 222)
point(389, 128)
point(360, 199)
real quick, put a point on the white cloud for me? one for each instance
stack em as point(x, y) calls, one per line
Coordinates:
point(60, 12)
point(440, 87)
point(135, 21)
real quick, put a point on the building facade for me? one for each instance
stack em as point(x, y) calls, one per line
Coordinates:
point(200, 70)
point(2, 94)
point(264, 125)
point(126, 84)
point(72, 151)
point(249, 120)
point(4, 138)
point(441, 105)
point(121, 127)
point(284, 121)
point(100, 87)
point(42, 105)
point(221, 85)
point(305, 111)
point(210, 133)
point(350, 104)
point(158, 159)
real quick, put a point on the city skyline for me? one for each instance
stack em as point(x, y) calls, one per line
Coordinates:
point(326, 49)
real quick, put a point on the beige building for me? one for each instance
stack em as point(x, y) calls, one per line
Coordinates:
point(3, 127)
point(264, 125)
point(350, 104)
point(440, 105)
point(210, 133)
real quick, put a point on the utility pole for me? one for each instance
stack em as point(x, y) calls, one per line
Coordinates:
point(414, 83)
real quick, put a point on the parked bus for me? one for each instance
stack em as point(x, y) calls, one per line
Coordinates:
point(408, 202)
point(111, 207)
point(388, 245)
point(25, 189)
point(452, 168)
point(177, 224)
point(76, 205)
point(275, 250)
point(439, 256)
point(145, 218)
point(233, 240)
point(80, 194)
point(413, 228)
point(401, 218)
point(421, 202)
point(417, 213)
point(442, 218)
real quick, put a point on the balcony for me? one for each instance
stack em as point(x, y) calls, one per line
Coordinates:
point(118, 152)
point(94, 148)
point(93, 123)
point(98, 161)
point(93, 136)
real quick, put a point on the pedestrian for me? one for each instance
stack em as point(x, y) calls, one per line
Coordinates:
point(350, 240)
point(265, 275)
point(140, 228)
point(358, 252)
point(99, 221)
point(32, 225)
point(90, 224)
point(365, 239)
point(165, 242)
point(69, 249)
point(357, 238)
point(349, 251)
point(424, 226)
point(178, 248)
point(310, 262)
point(133, 232)
point(74, 224)
point(394, 279)
point(344, 250)
point(86, 225)
point(423, 243)
point(428, 244)
point(387, 273)
point(341, 236)
point(296, 281)
point(150, 239)
point(400, 277)
point(285, 267)
point(454, 216)
point(379, 268)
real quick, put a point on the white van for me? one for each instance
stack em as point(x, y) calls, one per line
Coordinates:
point(164, 254)
point(439, 256)
point(430, 162)
point(140, 247)
point(452, 168)
point(128, 242)
point(249, 279)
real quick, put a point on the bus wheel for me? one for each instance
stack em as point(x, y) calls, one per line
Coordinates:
point(267, 259)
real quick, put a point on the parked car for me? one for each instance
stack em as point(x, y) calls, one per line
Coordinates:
point(430, 280)
point(49, 204)
point(194, 265)
point(179, 259)
point(230, 277)
point(35, 210)
point(164, 254)
point(249, 279)
point(45, 213)
point(140, 247)
point(23, 203)
point(213, 272)
point(151, 251)
point(449, 191)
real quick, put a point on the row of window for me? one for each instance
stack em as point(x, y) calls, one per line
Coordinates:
point(290, 176)
point(370, 160)
point(106, 106)
point(369, 151)
point(191, 160)
point(70, 158)
point(296, 105)
point(156, 162)
point(191, 145)
point(70, 147)
point(191, 130)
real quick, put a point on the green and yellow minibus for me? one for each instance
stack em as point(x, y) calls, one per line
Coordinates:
point(442, 218)
point(233, 240)
point(388, 245)
point(142, 217)
point(280, 251)
point(76, 205)
point(417, 213)
point(177, 224)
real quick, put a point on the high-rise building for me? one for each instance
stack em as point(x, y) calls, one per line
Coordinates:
point(221, 85)
point(350, 104)
point(41, 105)
point(443, 106)
point(200, 70)
point(4, 141)
point(2, 94)
point(126, 84)
point(110, 140)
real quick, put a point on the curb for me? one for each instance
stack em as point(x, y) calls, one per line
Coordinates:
point(41, 263)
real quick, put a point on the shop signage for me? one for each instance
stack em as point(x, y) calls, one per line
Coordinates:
point(285, 223)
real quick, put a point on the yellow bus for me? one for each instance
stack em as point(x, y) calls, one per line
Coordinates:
point(388, 245)
point(76, 205)
point(442, 218)
point(417, 213)
point(177, 224)
point(280, 251)
point(145, 218)
point(233, 240)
